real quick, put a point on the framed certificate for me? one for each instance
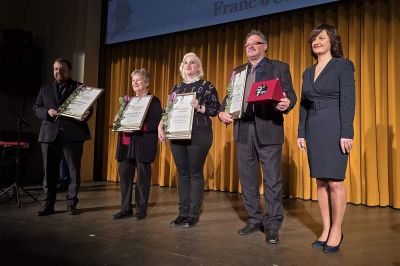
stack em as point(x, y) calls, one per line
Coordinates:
point(134, 114)
point(79, 102)
point(180, 117)
point(238, 84)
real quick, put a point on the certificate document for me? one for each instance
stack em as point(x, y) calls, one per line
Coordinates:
point(134, 113)
point(79, 101)
point(180, 119)
point(238, 85)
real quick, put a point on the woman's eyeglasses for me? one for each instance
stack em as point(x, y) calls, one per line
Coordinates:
point(189, 62)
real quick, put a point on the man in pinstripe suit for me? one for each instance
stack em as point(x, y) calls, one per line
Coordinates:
point(259, 137)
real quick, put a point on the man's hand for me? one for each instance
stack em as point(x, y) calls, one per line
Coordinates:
point(225, 117)
point(85, 115)
point(53, 113)
point(283, 103)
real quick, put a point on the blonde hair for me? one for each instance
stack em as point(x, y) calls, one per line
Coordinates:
point(195, 59)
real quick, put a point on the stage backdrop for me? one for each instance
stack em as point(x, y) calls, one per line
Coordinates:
point(370, 34)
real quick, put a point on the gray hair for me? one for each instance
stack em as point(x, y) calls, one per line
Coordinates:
point(258, 33)
point(143, 73)
point(198, 62)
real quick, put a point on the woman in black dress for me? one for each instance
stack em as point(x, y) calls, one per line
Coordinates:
point(326, 124)
point(137, 150)
point(190, 155)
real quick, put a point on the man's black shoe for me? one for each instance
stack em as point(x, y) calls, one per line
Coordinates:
point(249, 228)
point(180, 220)
point(72, 210)
point(63, 186)
point(121, 215)
point(45, 211)
point(190, 222)
point(272, 237)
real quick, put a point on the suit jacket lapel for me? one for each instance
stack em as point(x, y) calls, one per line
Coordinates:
point(68, 90)
point(321, 75)
point(311, 79)
point(54, 93)
point(323, 72)
point(267, 72)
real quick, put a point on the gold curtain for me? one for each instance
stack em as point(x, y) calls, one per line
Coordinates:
point(370, 31)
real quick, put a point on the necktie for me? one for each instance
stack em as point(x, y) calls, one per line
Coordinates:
point(60, 92)
point(251, 78)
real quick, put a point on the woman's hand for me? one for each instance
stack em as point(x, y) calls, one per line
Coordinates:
point(225, 117)
point(161, 134)
point(196, 105)
point(301, 142)
point(346, 145)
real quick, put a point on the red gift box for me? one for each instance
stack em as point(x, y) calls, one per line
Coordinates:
point(266, 91)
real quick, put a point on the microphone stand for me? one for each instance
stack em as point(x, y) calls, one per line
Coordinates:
point(16, 184)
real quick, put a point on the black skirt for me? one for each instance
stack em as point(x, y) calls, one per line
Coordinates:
point(325, 157)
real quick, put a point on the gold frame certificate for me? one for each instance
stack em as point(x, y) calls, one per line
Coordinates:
point(79, 102)
point(134, 113)
point(238, 85)
point(180, 119)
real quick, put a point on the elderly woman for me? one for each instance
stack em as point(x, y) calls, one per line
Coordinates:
point(190, 155)
point(137, 150)
point(326, 123)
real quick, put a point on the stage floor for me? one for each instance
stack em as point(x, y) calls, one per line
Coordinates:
point(371, 235)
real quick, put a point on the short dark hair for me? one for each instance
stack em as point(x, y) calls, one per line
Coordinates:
point(63, 61)
point(258, 33)
point(334, 38)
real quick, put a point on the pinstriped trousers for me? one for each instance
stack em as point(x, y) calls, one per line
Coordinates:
point(249, 155)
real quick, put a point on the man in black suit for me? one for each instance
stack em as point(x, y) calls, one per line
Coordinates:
point(259, 137)
point(60, 136)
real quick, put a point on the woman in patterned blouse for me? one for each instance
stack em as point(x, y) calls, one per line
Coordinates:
point(190, 155)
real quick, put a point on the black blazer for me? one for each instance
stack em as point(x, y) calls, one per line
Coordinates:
point(74, 130)
point(335, 84)
point(268, 120)
point(143, 145)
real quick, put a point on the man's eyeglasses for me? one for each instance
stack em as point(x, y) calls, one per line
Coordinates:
point(253, 44)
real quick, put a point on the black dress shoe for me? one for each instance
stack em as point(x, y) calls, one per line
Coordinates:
point(272, 237)
point(72, 210)
point(249, 228)
point(180, 220)
point(330, 249)
point(318, 244)
point(45, 211)
point(190, 222)
point(138, 217)
point(121, 215)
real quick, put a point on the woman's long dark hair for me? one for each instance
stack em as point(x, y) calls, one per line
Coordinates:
point(334, 38)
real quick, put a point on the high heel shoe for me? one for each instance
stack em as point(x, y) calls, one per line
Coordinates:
point(318, 244)
point(329, 249)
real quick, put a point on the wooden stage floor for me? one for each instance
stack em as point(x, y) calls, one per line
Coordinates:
point(371, 234)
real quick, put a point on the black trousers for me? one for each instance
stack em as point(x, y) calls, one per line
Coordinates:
point(126, 170)
point(249, 155)
point(52, 154)
point(189, 157)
